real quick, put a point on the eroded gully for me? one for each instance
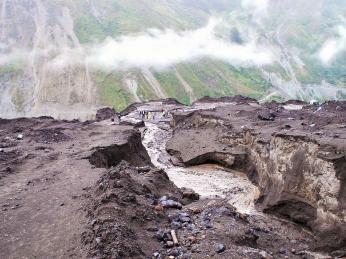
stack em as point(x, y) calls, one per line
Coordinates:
point(208, 180)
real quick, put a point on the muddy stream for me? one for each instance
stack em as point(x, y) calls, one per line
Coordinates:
point(208, 180)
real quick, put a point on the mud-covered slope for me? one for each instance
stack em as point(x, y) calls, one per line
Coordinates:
point(122, 212)
point(46, 168)
point(294, 152)
point(90, 190)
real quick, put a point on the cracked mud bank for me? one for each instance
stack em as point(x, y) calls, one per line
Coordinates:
point(295, 156)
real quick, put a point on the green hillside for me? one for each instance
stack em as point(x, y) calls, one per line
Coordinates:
point(293, 34)
point(210, 77)
point(207, 77)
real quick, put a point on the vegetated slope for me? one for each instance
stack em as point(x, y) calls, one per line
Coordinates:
point(44, 29)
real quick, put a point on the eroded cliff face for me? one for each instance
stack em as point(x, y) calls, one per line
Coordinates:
point(302, 182)
point(295, 154)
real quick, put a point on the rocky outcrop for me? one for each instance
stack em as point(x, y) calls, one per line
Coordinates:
point(303, 182)
point(297, 157)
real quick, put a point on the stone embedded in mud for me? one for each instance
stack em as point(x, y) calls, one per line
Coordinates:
point(208, 225)
point(160, 235)
point(169, 244)
point(159, 208)
point(196, 210)
point(164, 235)
point(144, 169)
point(171, 204)
point(133, 122)
point(282, 251)
point(184, 214)
point(184, 219)
point(220, 248)
point(189, 195)
point(167, 203)
point(265, 255)
point(174, 253)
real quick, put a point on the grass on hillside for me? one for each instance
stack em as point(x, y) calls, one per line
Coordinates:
point(112, 92)
point(172, 85)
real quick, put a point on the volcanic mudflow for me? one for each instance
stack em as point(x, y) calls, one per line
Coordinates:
point(222, 178)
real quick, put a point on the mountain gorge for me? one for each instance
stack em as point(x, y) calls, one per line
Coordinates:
point(68, 58)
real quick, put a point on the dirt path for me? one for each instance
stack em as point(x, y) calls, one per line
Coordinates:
point(44, 217)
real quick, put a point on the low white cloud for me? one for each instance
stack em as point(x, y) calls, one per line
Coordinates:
point(259, 8)
point(61, 58)
point(332, 47)
point(13, 56)
point(161, 49)
point(153, 48)
point(3, 46)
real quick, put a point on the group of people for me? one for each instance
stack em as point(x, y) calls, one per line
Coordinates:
point(149, 115)
point(145, 115)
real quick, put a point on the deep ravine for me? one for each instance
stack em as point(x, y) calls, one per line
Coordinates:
point(209, 180)
point(188, 132)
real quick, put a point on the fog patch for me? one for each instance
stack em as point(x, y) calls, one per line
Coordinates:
point(160, 49)
point(66, 57)
point(152, 48)
point(14, 56)
point(259, 8)
point(333, 46)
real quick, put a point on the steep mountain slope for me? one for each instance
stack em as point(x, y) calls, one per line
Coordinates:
point(38, 32)
point(43, 69)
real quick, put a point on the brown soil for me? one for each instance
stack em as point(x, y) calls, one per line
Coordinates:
point(44, 180)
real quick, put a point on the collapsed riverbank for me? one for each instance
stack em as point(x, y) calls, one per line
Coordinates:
point(261, 181)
